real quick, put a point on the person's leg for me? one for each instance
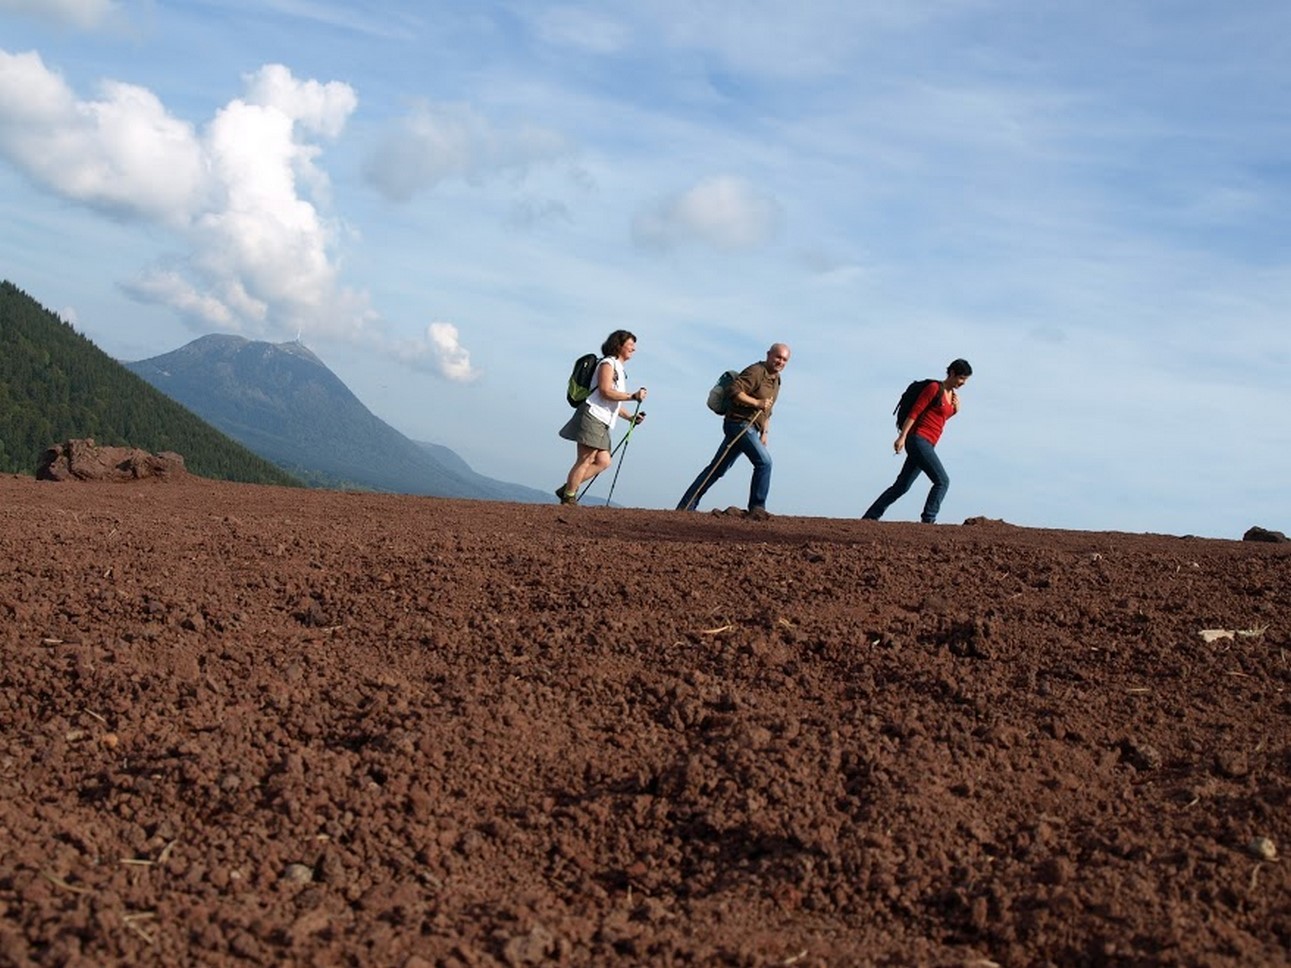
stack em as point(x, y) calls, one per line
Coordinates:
point(589, 462)
point(751, 446)
point(905, 480)
point(926, 454)
point(719, 465)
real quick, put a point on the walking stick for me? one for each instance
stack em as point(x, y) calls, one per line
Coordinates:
point(614, 450)
point(690, 506)
point(624, 442)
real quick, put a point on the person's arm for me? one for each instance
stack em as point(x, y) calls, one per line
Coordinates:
point(906, 426)
point(605, 383)
point(922, 403)
point(740, 391)
point(751, 402)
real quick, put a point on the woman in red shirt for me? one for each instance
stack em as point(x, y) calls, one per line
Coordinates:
point(935, 405)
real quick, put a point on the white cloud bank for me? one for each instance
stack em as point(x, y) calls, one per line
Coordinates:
point(243, 195)
point(724, 212)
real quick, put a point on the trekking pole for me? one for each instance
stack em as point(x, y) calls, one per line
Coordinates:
point(624, 442)
point(718, 463)
point(614, 450)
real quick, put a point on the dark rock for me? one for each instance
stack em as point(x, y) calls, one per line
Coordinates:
point(1263, 534)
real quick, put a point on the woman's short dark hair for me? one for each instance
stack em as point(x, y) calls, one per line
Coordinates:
point(614, 342)
point(960, 368)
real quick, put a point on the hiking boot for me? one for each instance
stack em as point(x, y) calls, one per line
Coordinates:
point(758, 514)
point(565, 496)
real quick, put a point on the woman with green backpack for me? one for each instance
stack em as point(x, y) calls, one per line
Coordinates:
point(596, 416)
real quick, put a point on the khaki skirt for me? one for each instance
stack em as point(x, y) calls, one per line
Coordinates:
point(585, 429)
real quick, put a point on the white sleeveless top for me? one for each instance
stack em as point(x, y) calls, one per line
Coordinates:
point(598, 405)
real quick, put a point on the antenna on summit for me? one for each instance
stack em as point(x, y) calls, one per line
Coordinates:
point(298, 335)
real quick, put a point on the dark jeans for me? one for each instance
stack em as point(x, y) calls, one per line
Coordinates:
point(920, 458)
point(749, 445)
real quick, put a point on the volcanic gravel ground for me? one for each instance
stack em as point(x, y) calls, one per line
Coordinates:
point(250, 725)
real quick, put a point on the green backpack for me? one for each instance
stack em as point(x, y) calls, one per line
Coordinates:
point(580, 379)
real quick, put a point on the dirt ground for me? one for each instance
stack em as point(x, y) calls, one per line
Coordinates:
point(248, 725)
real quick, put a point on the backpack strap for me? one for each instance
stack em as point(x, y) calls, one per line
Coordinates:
point(940, 390)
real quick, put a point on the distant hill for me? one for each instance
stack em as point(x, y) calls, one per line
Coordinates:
point(56, 385)
point(283, 403)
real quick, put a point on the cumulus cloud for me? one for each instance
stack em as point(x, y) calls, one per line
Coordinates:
point(442, 350)
point(724, 211)
point(78, 13)
point(452, 358)
point(121, 153)
point(244, 195)
point(169, 288)
point(436, 142)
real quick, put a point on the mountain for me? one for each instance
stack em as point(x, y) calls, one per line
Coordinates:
point(283, 403)
point(56, 385)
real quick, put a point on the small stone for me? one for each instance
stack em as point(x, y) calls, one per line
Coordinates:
point(298, 874)
point(1231, 764)
point(1263, 848)
point(529, 949)
point(1141, 756)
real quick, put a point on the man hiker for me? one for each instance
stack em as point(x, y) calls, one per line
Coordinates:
point(744, 431)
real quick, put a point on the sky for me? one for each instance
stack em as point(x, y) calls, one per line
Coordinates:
point(448, 201)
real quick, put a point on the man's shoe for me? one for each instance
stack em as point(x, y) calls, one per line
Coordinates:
point(565, 496)
point(758, 514)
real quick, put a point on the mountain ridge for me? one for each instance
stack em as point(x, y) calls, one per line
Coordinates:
point(281, 401)
point(56, 385)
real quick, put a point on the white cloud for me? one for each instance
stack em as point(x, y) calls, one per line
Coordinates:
point(169, 288)
point(453, 359)
point(264, 232)
point(442, 349)
point(724, 212)
point(319, 108)
point(78, 13)
point(436, 142)
point(242, 197)
point(122, 154)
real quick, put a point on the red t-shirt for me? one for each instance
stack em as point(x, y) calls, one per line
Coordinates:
point(933, 409)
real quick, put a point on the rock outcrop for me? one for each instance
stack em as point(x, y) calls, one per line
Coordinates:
point(84, 460)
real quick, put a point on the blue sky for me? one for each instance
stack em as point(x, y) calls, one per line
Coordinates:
point(450, 201)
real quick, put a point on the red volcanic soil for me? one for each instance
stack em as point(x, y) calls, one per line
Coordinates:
point(249, 725)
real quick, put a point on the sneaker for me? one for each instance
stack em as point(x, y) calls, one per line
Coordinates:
point(565, 496)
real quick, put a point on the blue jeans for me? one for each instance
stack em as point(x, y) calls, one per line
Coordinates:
point(748, 444)
point(920, 458)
